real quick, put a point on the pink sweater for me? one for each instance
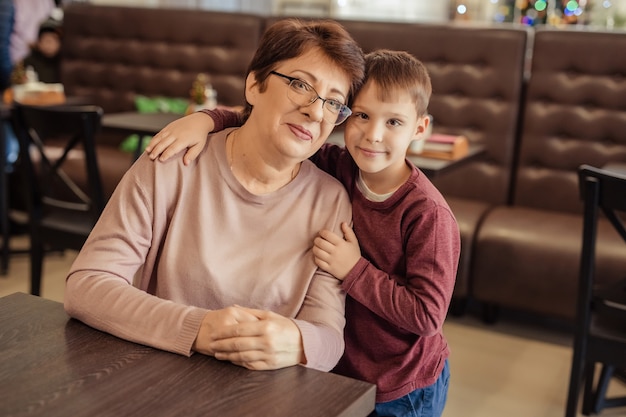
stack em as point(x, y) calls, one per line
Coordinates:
point(190, 239)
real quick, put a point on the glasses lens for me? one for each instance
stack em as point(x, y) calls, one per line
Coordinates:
point(303, 94)
point(338, 116)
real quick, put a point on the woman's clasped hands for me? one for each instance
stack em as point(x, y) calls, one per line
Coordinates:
point(251, 338)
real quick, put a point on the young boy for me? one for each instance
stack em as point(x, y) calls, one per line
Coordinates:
point(398, 266)
point(45, 55)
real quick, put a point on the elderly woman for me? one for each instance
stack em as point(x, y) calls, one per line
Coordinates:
point(216, 257)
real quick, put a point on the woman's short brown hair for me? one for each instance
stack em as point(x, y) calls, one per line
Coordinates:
point(290, 38)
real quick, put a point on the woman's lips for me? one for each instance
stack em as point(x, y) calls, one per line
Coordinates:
point(301, 132)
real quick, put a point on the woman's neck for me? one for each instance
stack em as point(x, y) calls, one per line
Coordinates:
point(252, 170)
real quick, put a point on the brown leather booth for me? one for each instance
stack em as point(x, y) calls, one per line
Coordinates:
point(113, 54)
point(527, 254)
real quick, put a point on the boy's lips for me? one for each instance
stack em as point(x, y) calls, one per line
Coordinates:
point(371, 152)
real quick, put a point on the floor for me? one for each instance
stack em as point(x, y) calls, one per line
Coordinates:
point(508, 369)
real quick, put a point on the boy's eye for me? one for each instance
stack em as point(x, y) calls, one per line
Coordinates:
point(359, 115)
point(395, 122)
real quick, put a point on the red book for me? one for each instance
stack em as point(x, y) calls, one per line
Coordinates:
point(444, 146)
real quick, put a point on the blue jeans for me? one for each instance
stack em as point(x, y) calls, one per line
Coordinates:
point(423, 402)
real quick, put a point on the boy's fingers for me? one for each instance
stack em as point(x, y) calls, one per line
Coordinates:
point(348, 233)
point(192, 153)
point(330, 236)
point(170, 150)
point(159, 146)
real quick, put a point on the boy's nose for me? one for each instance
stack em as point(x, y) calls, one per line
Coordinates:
point(374, 134)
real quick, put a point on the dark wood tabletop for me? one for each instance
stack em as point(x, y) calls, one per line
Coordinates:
point(51, 365)
point(431, 167)
point(434, 166)
point(140, 123)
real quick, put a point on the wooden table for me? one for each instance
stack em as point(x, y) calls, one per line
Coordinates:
point(51, 365)
point(142, 124)
point(431, 167)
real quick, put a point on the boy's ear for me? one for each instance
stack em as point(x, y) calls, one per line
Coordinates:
point(422, 127)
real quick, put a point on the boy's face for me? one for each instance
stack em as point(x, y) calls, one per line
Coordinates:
point(378, 133)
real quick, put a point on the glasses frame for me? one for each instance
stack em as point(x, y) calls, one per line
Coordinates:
point(341, 116)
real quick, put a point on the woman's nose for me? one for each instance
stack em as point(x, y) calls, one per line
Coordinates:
point(315, 110)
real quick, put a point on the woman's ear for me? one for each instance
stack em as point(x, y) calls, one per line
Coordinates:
point(252, 88)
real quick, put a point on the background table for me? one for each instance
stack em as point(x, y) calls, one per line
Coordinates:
point(142, 124)
point(51, 365)
point(431, 167)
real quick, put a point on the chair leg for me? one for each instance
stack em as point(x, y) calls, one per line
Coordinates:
point(458, 307)
point(603, 383)
point(491, 312)
point(588, 389)
point(36, 266)
point(575, 380)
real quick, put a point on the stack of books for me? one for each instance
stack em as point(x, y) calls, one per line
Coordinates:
point(443, 146)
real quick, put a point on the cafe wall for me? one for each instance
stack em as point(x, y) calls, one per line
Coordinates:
point(607, 14)
point(389, 10)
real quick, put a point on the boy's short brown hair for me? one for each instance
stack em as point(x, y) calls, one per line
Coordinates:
point(393, 70)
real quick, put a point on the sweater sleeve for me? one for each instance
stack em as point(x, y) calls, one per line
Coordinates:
point(327, 158)
point(99, 289)
point(420, 305)
point(321, 321)
point(223, 118)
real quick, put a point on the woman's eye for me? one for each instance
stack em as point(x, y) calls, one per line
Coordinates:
point(337, 106)
point(300, 85)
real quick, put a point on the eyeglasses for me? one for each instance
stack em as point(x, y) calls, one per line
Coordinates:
point(303, 94)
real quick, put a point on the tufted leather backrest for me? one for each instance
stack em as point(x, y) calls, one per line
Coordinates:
point(477, 76)
point(575, 114)
point(111, 54)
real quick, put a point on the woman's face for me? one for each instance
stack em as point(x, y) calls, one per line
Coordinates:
point(290, 130)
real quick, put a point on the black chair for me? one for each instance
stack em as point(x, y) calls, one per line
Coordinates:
point(60, 171)
point(600, 336)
